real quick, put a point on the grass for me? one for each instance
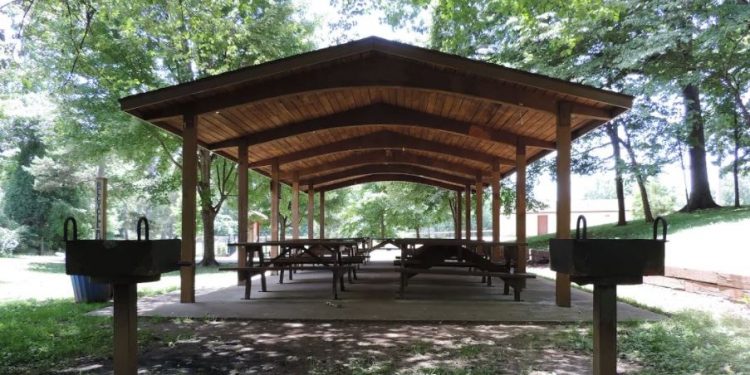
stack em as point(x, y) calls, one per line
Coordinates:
point(59, 267)
point(40, 336)
point(678, 221)
point(199, 270)
point(689, 342)
point(353, 366)
point(47, 267)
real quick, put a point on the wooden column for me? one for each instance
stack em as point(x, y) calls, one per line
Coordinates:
point(523, 251)
point(459, 214)
point(480, 204)
point(125, 329)
point(605, 329)
point(189, 184)
point(468, 212)
point(322, 219)
point(274, 206)
point(242, 208)
point(562, 289)
point(310, 212)
point(496, 202)
point(295, 207)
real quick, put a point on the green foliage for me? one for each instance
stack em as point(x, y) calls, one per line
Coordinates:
point(30, 204)
point(384, 209)
point(86, 56)
point(662, 199)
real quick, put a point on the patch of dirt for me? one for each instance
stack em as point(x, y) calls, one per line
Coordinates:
point(274, 347)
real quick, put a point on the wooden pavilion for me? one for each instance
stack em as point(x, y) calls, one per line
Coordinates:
point(377, 110)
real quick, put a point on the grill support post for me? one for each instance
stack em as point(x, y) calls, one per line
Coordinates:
point(605, 329)
point(125, 327)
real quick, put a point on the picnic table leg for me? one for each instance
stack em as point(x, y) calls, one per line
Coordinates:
point(489, 280)
point(335, 288)
point(354, 271)
point(248, 284)
point(517, 294)
point(506, 287)
point(349, 274)
point(401, 285)
point(291, 271)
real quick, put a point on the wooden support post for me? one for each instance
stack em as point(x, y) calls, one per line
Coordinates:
point(523, 250)
point(322, 219)
point(125, 327)
point(274, 206)
point(189, 185)
point(295, 207)
point(459, 214)
point(310, 212)
point(496, 201)
point(605, 329)
point(562, 283)
point(468, 212)
point(480, 205)
point(242, 208)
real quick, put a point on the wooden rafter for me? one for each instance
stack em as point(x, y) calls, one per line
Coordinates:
point(385, 114)
point(386, 157)
point(356, 180)
point(386, 169)
point(384, 140)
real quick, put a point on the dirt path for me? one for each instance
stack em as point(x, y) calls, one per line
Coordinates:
point(266, 347)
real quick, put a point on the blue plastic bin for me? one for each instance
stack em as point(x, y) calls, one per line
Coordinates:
point(86, 290)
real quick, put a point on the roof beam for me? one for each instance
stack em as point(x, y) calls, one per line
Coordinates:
point(356, 180)
point(384, 140)
point(382, 71)
point(386, 169)
point(384, 114)
point(387, 157)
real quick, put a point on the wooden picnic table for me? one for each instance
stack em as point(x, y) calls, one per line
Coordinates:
point(419, 255)
point(295, 253)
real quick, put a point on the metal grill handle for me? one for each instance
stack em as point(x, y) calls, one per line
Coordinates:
point(65, 229)
point(143, 221)
point(663, 228)
point(581, 218)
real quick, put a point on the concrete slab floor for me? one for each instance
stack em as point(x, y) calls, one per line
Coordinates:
point(373, 297)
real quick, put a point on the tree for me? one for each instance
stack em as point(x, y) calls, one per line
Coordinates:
point(90, 54)
point(31, 200)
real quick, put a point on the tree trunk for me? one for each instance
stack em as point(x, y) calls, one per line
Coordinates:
point(735, 163)
point(700, 192)
point(641, 180)
point(619, 187)
point(647, 214)
point(209, 252)
point(382, 225)
point(207, 212)
point(454, 213)
point(282, 230)
point(417, 230)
